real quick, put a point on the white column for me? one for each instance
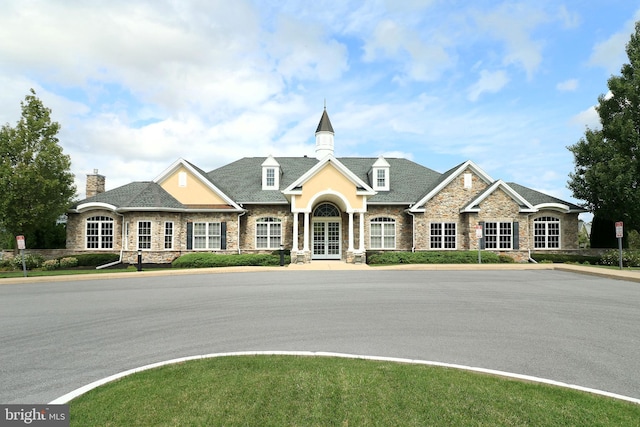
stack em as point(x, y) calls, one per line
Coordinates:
point(361, 231)
point(350, 232)
point(294, 247)
point(306, 232)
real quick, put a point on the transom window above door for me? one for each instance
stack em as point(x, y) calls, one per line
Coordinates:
point(326, 210)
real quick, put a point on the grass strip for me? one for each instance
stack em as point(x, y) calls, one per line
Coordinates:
point(323, 391)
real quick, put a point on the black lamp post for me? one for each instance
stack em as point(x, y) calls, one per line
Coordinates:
point(281, 255)
point(139, 259)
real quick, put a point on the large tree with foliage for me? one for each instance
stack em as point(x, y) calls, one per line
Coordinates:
point(607, 163)
point(36, 185)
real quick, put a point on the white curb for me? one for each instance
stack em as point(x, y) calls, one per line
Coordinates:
point(80, 391)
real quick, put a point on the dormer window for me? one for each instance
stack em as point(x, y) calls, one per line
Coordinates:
point(380, 175)
point(270, 174)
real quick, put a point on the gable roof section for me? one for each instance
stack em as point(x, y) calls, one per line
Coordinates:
point(200, 175)
point(474, 205)
point(362, 187)
point(544, 201)
point(134, 196)
point(446, 178)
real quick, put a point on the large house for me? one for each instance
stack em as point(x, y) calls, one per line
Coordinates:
point(319, 208)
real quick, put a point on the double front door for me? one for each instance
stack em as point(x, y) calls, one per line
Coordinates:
point(326, 239)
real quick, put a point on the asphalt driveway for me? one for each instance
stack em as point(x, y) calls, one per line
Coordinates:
point(578, 329)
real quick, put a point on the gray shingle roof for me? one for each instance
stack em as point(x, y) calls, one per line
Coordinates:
point(536, 198)
point(143, 194)
point(242, 182)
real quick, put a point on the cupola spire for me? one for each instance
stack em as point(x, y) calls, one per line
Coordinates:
point(324, 136)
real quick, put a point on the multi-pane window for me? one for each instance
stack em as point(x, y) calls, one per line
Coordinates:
point(498, 235)
point(168, 235)
point(99, 232)
point(383, 233)
point(381, 178)
point(271, 177)
point(144, 234)
point(443, 235)
point(268, 233)
point(206, 235)
point(546, 233)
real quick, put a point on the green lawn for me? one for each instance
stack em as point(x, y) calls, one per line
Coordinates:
point(323, 391)
point(39, 273)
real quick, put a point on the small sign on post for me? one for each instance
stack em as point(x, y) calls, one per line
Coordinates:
point(619, 235)
point(479, 236)
point(22, 246)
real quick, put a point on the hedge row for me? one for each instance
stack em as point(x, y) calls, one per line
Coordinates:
point(565, 258)
point(205, 260)
point(435, 257)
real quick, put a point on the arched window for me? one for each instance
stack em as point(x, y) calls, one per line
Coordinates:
point(326, 210)
point(383, 233)
point(268, 233)
point(100, 232)
point(546, 232)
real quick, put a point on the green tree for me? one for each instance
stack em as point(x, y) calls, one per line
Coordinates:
point(607, 167)
point(36, 185)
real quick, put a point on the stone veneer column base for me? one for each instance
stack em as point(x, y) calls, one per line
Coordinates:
point(300, 257)
point(355, 257)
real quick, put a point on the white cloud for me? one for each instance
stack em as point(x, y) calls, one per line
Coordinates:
point(513, 23)
point(569, 19)
point(489, 82)
point(610, 54)
point(567, 85)
point(587, 118)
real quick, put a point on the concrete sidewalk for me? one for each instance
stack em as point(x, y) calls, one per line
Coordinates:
point(630, 275)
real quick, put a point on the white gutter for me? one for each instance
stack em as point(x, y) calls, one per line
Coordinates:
point(100, 267)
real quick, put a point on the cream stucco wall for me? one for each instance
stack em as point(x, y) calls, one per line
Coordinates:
point(330, 179)
point(194, 193)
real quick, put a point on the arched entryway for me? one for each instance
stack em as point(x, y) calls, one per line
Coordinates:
point(327, 232)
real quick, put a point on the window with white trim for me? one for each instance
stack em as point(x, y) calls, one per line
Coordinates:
point(498, 235)
point(144, 234)
point(206, 235)
point(443, 235)
point(271, 177)
point(381, 178)
point(99, 232)
point(383, 233)
point(268, 233)
point(546, 233)
point(168, 235)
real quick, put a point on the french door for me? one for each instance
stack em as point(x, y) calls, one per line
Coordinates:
point(326, 239)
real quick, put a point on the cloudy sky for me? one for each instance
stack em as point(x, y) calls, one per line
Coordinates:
point(137, 84)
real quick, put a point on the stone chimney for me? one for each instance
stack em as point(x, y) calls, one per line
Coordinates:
point(95, 184)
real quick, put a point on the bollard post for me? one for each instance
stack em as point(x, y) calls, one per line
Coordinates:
point(139, 266)
point(281, 255)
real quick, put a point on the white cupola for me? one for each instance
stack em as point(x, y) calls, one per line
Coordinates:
point(324, 136)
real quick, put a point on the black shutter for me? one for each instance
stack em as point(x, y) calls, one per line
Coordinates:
point(483, 233)
point(223, 235)
point(516, 235)
point(189, 235)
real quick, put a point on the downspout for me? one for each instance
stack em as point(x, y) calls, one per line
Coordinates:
point(413, 230)
point(100, 267)
point(239, 215)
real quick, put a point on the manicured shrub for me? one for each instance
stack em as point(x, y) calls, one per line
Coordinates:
point(31, 261)
point(50, 264)
point(629, 258)
point(434, 257)
point(94, 260)
point(205, 260)
point(68, 262)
